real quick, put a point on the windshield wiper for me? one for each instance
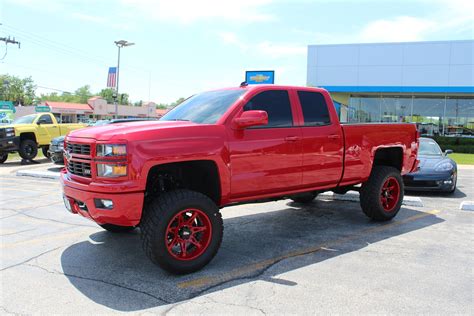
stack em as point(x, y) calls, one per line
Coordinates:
point(183, 120)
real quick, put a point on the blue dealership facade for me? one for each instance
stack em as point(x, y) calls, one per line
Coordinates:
point(428, 83)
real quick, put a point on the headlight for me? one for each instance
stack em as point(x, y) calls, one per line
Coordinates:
point(111, 171)
point(445, 166)
point(111, 150)
point(9, 132)
point(61, 145)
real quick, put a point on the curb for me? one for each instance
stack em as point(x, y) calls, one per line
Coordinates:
point(467, 206)
point(353, 196)
point(38, 174)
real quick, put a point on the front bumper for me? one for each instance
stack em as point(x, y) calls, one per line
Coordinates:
point(56, 156)
point(126, 211)
point(9, 144)
point(436, 182)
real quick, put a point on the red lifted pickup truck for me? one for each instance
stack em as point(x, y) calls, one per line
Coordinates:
point(223, 147)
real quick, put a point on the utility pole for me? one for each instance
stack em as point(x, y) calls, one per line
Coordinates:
point(8, 40)
point(119, 44)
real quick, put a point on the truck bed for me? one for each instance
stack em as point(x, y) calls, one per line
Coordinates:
point(362, 140)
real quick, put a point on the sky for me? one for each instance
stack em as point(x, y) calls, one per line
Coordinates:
point(183, 47)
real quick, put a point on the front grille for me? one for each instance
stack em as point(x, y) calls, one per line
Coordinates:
point(82, 169)
point(421, 183)
point(81, 149)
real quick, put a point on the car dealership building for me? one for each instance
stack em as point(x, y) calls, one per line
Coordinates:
point(428, 83)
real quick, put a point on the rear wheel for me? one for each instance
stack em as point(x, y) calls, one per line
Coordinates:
point(3, 157)
point(28, 149)
point(117, 229)
point(45, 152)
point(304, 197)
point(181, 231)
point(382, 195)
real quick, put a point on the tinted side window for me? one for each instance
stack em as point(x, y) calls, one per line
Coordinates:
point(47, 119)
point(315, 109)
point(276, 103)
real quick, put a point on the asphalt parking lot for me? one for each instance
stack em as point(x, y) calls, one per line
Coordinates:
point(276, 258)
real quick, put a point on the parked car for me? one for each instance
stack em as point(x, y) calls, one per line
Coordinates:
point(228, 146)
point(56, 147)
point(29, 133)
point(436, 171)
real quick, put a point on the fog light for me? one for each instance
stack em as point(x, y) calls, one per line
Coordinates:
point(103, 203)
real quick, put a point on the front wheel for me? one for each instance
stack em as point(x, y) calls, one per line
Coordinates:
point(28, 149)
point(382, 195)
point(3, 157)
point(181, 231)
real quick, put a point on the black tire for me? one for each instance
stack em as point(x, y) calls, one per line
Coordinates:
point(45, 152)
point(28, 149)
point(3, 157)
point(454, 186)
point(372, 192)
point(117, 229)
point(161, 212)
point(304, 198)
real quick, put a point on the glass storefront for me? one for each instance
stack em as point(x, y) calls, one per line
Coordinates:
point(434, 115)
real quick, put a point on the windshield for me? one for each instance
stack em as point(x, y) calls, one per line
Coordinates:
point(429, 148)
point(28, 119)
point(204, 108)
point(101, 122)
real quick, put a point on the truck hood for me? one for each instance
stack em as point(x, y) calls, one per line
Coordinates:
point(121, 130)
point(19, 127)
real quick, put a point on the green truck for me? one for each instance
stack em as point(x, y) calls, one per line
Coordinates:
point(29, 133)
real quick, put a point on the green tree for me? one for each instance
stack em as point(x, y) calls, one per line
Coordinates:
point(82, 94)
point(108, 95)
point(17, 90)
point(170, 105)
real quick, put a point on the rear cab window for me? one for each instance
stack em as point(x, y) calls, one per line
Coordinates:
point(314, 107)
point(277, 105)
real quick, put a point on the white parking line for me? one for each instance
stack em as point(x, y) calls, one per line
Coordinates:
point(353, 196)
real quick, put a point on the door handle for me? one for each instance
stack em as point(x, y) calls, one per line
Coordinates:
point(334, 136)
point(291, 138)
point(54, 126)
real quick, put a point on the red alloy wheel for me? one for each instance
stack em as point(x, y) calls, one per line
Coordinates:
point(188, 234)
point(390, 194)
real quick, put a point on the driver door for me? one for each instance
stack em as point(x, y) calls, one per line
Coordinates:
point(47, 130)
point(266, 159)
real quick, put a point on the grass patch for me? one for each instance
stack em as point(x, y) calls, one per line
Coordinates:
point(463, 159)
point(16, 156)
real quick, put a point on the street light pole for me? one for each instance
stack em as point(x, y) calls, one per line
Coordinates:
point(119, 44)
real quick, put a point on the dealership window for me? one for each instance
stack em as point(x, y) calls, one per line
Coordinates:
point(428, 113)
point(395, 109)
point(364, 109)
point(459, 116)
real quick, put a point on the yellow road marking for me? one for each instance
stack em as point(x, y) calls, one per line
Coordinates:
point(242, 271)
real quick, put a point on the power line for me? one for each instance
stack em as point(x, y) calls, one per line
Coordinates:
point(59, 47)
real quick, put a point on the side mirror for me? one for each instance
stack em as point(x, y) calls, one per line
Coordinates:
point(251, 118)
point(41, 122)
point(448, 151)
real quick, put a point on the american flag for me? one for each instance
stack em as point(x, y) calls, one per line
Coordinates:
point(112, 77)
